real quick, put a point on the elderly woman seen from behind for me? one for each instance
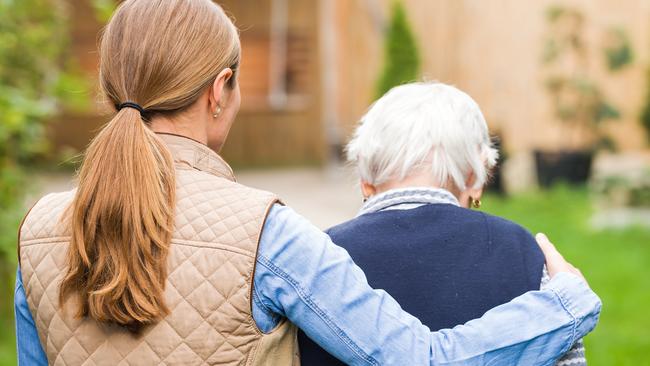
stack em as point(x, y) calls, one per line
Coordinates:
point(423, 154)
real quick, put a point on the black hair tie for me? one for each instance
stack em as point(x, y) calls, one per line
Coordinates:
point(133, 105)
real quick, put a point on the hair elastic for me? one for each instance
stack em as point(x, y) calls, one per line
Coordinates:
point(133, 105)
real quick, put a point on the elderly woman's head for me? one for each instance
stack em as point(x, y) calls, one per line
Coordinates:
point(424, 134)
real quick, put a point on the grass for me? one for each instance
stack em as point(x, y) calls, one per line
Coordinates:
point(616, 263)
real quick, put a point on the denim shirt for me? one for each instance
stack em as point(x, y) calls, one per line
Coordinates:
point(301, 275)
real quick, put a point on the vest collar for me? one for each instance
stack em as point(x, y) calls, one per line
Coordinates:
point(193, 154)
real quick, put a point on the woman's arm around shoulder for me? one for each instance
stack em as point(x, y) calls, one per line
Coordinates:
point(303, 276)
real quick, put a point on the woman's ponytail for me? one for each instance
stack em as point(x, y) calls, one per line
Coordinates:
point(122, 221)
point(162, 55)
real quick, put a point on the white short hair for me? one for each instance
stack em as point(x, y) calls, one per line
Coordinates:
point(419, 126)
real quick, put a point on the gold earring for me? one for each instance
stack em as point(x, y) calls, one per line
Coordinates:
point(475, 203)
point(217, 112)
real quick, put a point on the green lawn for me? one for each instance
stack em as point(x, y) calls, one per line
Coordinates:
point(616, 263)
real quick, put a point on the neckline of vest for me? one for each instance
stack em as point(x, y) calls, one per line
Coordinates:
point(189, 152)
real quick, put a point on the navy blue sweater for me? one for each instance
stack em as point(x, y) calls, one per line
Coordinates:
point(444, 264)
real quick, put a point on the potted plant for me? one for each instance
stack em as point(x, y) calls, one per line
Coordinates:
point(577, 100)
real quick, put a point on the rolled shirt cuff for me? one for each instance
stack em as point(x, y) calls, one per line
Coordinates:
point(580, 301)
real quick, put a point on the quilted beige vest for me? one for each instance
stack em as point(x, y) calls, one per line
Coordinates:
point(211, 266)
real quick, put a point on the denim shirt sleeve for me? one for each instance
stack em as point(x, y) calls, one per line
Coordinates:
point(576, 355)
point(30, 351)
point(301, 275)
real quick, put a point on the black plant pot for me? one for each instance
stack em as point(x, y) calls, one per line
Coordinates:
point(570, 166)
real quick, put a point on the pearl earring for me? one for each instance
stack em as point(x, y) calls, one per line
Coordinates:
point(217, 112)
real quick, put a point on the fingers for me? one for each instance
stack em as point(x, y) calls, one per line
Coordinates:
point(547, 247)
point(555, 262)
point(551, 254)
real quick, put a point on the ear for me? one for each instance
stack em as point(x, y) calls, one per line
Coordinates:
point(368, 190)
point(470, 192)
point(217, 92)
point(476, 193)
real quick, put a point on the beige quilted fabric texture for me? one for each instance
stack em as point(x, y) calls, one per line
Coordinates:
point(211, 263)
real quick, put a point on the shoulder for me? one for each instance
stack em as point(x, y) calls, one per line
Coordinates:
point(287, 236)
point(504, 232)
point(283, 219)
point(430, 215)
point(357, 224)
point(54, 200)
point(501, 226)
point(498, 230)
point(46, 214)
point(201, 189)
point(510, 239)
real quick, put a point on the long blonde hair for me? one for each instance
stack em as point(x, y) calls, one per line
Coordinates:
point(162, 55)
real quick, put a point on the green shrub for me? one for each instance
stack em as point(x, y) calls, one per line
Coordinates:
point(401, 56)
point(35, 83)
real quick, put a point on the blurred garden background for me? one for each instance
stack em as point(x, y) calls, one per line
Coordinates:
point(564, 85)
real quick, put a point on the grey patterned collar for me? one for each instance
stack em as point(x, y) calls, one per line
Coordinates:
point(407, 198)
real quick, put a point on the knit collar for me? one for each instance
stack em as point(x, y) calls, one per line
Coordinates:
point(407, 198)
point(195, 155)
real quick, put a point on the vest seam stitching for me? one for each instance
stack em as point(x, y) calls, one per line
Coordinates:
point(45, 240)
point(251, 274)
point(197, 244)
point(179, 242)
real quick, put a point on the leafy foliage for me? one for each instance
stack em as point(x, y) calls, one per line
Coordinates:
point(401, 55)
point(577, 99)
point(618, 51)
point(35, 83)
point(103, 9)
